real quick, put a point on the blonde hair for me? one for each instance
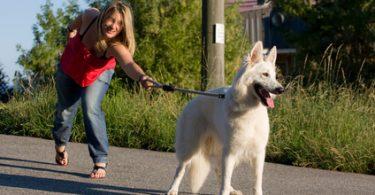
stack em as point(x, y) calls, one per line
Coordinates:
point(126, 36)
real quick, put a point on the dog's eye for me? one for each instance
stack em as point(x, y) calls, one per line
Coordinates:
point(265, 74)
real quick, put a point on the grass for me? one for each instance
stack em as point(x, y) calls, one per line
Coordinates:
point(320, 126)
point(134, 119)
point(325, 127)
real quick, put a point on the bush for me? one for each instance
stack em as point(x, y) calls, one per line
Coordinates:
point(324, 126)
point(347, 26)
point(134, 119)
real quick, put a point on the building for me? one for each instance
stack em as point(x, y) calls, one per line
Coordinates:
point(261, 22)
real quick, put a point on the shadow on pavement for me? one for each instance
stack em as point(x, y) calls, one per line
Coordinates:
point(23, 160)
point(43, 169)
point(58, 185)
point(38, 168)
point(65, 186)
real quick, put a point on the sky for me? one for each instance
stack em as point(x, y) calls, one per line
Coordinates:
point(16, 21)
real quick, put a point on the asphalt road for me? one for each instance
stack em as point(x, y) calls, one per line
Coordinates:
point(27, 167)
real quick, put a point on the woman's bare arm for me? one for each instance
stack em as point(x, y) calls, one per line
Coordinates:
point(81, 20)
point(132, 69)
point(74, 26)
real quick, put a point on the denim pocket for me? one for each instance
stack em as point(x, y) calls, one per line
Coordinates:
point(106, 76)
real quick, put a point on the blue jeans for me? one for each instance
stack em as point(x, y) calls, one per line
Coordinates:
point(69, 96)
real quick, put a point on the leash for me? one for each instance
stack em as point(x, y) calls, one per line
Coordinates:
point(171, 88)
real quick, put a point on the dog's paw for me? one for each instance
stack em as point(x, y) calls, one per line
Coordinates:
point(172, 192)
point(235, 192)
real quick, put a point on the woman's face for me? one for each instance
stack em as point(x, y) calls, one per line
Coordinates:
point(112, 25)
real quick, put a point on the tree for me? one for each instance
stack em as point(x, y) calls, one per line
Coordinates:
point(5, 91)
point(49, 40)
point(347, 26)
point(3, 81)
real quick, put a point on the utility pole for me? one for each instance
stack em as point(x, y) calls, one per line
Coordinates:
point(212, 61)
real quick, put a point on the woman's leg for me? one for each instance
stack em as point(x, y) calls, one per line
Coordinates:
point(94, 119)
point(68, 99)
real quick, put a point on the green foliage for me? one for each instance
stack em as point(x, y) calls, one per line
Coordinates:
point(324, 127)
point(138, 120)
point(49, 39)
point(168, 35)
point(3, 83)
point(30, 115)
point(347, 26)
point(6, 92)
point(98, 3)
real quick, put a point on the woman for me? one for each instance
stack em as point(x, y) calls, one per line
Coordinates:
point(96, 40)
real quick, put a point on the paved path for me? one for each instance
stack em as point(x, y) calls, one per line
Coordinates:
point(27, 167)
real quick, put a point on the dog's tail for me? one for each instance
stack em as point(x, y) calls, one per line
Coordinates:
point(200, 165)
point(199, 169)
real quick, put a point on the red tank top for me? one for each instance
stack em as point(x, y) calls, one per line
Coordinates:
point(82, 65)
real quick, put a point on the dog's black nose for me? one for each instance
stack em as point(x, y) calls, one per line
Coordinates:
point(279, 90)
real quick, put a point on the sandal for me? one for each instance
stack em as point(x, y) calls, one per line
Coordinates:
point(96, 169)
point(60, 157)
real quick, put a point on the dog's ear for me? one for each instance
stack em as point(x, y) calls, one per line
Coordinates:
point(272, 55)
point(256, 54)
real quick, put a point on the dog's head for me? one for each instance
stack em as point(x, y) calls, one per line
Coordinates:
point(257, 77)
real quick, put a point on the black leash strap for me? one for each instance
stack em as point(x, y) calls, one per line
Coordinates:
point(171, 88)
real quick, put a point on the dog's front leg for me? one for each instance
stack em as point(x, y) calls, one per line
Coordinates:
point(228, 162)
point(258, 164)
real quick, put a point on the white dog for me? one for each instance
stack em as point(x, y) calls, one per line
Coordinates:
point(221, 132)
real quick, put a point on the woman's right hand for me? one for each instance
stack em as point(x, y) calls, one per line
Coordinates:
point(146, 82)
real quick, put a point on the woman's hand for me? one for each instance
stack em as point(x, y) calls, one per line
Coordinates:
point(146, 81)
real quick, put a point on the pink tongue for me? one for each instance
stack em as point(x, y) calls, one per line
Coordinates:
point(270, 103)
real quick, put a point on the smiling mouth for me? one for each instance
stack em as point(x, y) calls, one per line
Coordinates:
point(264, 96)
point(110, 31)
